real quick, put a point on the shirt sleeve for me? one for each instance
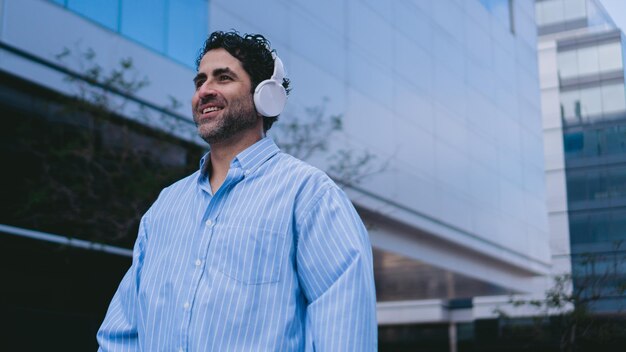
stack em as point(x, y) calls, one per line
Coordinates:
point(119, 328)
point(334, 261)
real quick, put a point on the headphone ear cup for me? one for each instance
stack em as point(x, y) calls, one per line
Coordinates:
point(270, 98)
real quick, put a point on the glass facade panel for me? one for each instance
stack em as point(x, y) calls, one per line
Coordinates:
point(146, 28)
point(588, 227)
point(574, 9)
point(187, 29)
point(595, 142)
point(104, 12)
point(588, 62)
point(550, 12)
point(570, 106)
point(599, 183)
point(617, 186)
point(539, 13)
point(598, 226)
point(577, 186)
point(613, 99)
point(591, 60)
point(568, 64)
point(174, 28)
point(610, 56)
point(591, 101)
point(618, 226)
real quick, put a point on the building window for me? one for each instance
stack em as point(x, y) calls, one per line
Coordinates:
point(549, 12)
point(598, 227)
point(594, 142)
point(591, 60)
point(598, 184)
point(103, 12)
point(603, 102)
point(174, 28)
point(148, 30)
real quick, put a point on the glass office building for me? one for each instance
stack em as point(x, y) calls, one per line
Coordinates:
point(444, 94)
point(582, 65)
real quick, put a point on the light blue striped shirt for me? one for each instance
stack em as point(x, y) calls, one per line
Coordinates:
point(276, 260)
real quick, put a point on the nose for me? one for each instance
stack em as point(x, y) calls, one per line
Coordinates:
point(206, 90)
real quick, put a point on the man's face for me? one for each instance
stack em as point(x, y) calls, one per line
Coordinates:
point(222, 105)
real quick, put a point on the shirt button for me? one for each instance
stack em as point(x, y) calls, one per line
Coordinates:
point(180, 349)
point(186, 305)
point(209, 222)
point(198, 262)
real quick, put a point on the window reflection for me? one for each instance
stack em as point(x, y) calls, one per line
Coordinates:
point(104, 12)
point(557, 11)
point(613, 99)
point(173, 28)
point(550, 12)
point(606, 101)
point(593, 142)
point(610, 57)
point(599, 184)
point(590, 61)
point(591, 102)
point(593, 227)
point(187, 29)
point(570, 106)
point(574, 9)
point(146, 29)
point(568, 64)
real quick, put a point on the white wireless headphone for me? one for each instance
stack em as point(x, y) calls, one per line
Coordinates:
point(270, 96)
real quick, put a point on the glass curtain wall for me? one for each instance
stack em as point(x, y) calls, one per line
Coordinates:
point(593, 110)
point(174, 28)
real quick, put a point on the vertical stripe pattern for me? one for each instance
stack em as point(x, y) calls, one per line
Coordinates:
point(276, 260)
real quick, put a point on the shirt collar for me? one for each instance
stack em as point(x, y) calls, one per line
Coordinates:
point(255, 155)
point(250, 158)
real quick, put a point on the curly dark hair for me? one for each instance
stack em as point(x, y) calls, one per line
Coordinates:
point(254, 53)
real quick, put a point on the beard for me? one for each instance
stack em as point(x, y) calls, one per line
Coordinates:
point(238, 116)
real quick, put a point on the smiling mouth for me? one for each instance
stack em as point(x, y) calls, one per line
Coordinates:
point(211, 109)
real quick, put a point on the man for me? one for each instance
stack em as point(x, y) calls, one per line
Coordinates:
point(256, 251)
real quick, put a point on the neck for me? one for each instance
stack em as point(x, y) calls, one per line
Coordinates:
point(223, 153)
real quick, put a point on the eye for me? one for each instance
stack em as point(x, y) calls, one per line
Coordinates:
point(222, 78)
point(198, 83)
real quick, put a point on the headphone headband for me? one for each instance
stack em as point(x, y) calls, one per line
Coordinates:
point(279, 70)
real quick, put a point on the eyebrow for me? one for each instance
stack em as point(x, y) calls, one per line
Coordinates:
point(199, 77)
point(216, 72)
point(219, 71)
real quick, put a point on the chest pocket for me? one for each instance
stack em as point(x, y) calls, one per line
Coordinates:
point(250, 255)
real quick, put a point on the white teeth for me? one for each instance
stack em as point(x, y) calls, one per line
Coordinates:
point(213, 108)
